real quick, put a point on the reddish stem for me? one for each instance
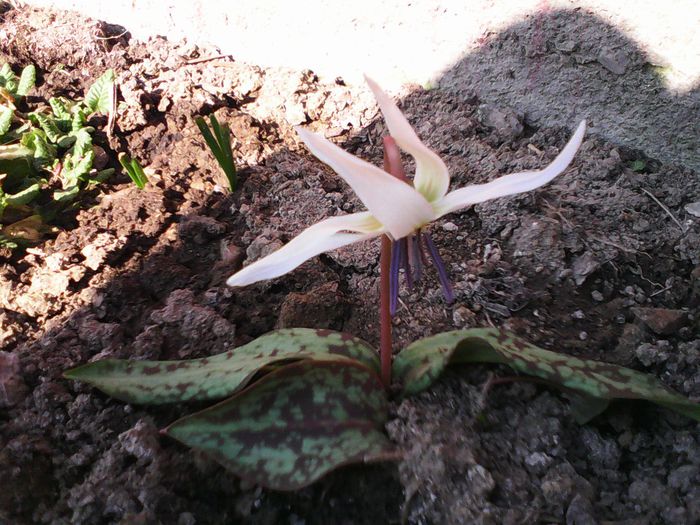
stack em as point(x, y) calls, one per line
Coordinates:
point(385, 349)
point(393, 165)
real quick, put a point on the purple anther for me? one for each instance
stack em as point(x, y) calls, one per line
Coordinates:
point(440, 267)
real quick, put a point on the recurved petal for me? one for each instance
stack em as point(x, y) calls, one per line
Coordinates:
point(324, 236)
point(513, 183)
point(399, 207)
point(432, 178)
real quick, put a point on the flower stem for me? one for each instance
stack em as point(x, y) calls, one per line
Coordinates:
point(385, 349)
point(392, 164)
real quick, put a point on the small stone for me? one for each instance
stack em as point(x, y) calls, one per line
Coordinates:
point(663, 321)
point(693, 208)
point(164, 104)
point(506, 122)
point(583, 335)
point(538, 462)
point(450, 227)
point(462, 316)
point(649, 354)
point(141, 440)
point(261, 247)
point(597, 296)
point(578, 314)
point(583, 266)
point(615, 61)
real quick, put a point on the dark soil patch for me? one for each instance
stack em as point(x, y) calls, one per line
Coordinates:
point(141, 275)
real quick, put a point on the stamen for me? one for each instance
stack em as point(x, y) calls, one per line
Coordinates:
point(405, 262)
point(394, 276)
point(418, 256)
point(440, 267)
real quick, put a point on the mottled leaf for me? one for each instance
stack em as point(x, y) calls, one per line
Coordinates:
point(155, 382)
point(294, 425)
point(420, 364)
point(100, 96)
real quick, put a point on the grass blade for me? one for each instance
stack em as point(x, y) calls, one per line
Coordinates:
point(220, 145)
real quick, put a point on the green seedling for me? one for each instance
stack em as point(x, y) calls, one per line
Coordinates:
point(100, 96)
point(133, 170)
point(46, 155)
point(219, 143)
point(638, 166)
point(17, 86)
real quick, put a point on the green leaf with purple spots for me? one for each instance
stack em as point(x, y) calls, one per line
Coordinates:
point(294, 425)
point(157, 382)
point(422, 362)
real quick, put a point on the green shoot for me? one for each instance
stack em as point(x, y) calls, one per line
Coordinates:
point(220, 145)
point(134, 170)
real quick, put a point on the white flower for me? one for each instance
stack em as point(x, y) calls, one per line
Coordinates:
point(394, 207)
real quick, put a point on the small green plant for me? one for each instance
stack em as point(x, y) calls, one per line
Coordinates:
point(298, 403)
point(17, 87)
point(47, 155)
point(133, 170)
point(638, 166)
point(219, 143)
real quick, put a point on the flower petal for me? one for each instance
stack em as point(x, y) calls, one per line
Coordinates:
point(432, 178)
point(513, 183)
point(399, 207)
point(324, 236)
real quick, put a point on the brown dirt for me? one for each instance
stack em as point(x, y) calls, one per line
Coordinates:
point(140, 274)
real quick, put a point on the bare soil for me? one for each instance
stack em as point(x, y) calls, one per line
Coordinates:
point(602, 263)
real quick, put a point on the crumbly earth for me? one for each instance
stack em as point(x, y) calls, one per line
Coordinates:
point(602, 263)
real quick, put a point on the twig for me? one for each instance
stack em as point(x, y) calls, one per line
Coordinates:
point(665, 289)
point(663, 207)
point(614, 244)
point(112, 112)
point(113, 37)
point(207, 59)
